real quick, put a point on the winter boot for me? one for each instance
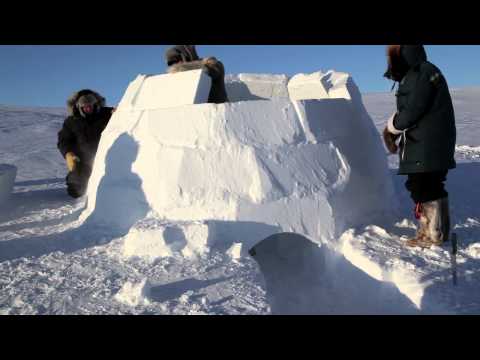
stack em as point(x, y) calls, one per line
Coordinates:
point(421, 237)
point(434, 224)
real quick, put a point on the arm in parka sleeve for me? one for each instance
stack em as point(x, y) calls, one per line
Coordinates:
point(66, 139)
point(418, 103)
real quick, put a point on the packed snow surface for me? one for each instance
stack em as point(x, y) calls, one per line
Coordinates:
point(64, 256)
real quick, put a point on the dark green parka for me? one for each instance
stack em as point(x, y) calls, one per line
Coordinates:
point(425, 115)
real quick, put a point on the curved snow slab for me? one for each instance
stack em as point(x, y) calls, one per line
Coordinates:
point(7, 179)
point(303, 277)
point(424, 276)
point(314, 167)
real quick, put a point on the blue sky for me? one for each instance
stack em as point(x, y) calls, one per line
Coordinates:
point(46, 75)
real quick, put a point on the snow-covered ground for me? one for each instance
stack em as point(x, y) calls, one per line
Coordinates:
point(50, 263)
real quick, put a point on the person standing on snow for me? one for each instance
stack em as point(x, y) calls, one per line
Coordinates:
point(184, 57)
point(80, 135)
point(425, 124)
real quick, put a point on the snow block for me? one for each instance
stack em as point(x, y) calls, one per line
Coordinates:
point(245, 169)
point(329, 85)
point(161, 240)
point(246, 87)
point(134, 294)
point(7, 180)
point(167, 90)
point(307, 87)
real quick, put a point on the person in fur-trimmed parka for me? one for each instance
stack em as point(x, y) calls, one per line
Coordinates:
point(184, 57)
point(79, 137)
point(425, 124)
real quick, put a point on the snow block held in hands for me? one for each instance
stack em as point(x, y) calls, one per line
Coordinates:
point(167, 90)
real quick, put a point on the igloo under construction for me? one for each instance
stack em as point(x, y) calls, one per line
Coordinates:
point(174, 173)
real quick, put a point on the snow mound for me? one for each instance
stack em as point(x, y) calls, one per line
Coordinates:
point(153, 240)
point(472, 152)
point(243, 170)
point(415, 272)
point(307, 278)
point(7, 179)
point(134, 294)
point(473, 250)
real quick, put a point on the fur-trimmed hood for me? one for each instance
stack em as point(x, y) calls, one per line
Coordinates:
point(413, 54)
point(402, 58)
point(72, 100)
point(184, 53)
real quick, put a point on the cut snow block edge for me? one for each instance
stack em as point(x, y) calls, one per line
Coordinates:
point(7, 180)
point(315, 86)
point(306, 87)
point(247, 87)
point(193, 87)
point(319, 85)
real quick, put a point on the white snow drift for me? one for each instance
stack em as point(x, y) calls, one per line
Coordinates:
point(310, 163)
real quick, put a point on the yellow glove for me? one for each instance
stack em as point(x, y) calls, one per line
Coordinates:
point(72, 161)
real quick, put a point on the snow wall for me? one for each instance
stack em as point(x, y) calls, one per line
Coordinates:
point(298, 155)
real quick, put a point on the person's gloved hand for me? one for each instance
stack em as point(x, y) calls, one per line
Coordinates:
point(72, 161)
point(390, 141)
point(214, 67)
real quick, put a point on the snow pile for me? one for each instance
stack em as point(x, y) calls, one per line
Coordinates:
point(307, 278)
point(242, 170)
point(474, 250)
point(236, 251)
point(7, 179)
point(151, 240)
point(470, 151)
point(134, 294)
point(386, 258)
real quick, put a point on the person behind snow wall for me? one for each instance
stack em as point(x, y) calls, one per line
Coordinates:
point(184, 58)
point(80, 135)
point(424, 124)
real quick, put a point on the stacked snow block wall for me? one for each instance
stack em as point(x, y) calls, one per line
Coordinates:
point(285, 155)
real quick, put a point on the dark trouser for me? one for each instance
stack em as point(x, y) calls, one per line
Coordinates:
point(77, 180)
point(425, 187)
